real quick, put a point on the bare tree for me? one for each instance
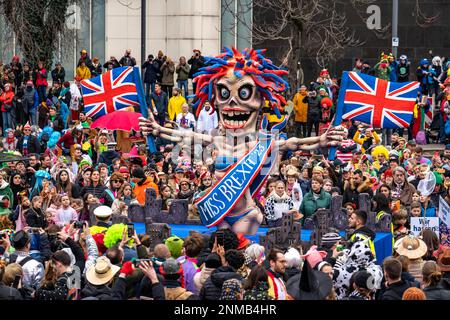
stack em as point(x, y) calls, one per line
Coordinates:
point(316, 28)
point(37, 26)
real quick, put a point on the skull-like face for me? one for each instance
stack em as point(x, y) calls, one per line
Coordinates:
point(238, 102)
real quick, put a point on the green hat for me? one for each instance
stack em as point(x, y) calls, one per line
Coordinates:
point(85, 162)
point(321, 88)
point(85, 125)
point(438, 177)
point(175, 245)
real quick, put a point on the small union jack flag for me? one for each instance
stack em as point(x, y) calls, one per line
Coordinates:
point(113, 90)
point(377, 102)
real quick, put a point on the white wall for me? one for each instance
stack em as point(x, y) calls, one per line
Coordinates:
point(174, 26)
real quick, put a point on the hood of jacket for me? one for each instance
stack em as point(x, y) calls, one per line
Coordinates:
point(222, 274)
point(367, 231)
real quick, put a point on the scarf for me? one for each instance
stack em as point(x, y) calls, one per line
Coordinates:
point(25, 145)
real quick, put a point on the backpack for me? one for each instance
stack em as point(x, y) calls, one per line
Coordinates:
point(14, 256)
point(74, 284)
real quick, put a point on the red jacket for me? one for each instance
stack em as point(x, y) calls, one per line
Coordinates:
point(6, 98)
point(67, 139)
point(41, 78)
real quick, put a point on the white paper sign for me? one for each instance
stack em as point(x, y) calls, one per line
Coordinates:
point(419, 223)
point(444, 211)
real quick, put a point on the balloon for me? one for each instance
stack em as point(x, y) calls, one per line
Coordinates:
point(426, 185)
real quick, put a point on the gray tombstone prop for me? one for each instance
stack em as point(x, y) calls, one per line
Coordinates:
point(289, 234)
point(366, 205)
point(384, 223)
point(322, 219)
point(340, 220)
point(158, 233)
point(178, 210)
point(136, 213)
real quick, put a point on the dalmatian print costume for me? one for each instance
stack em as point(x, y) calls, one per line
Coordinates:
point(358, 257)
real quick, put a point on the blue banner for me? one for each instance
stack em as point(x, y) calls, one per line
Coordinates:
point(218, 202)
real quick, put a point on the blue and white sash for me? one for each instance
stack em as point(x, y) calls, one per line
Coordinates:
point(246, 173)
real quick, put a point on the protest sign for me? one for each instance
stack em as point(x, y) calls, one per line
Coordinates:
point(444, 211)
point(419, 223)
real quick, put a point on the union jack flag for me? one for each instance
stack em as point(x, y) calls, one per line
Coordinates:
point(113, 90)
point(377, 102)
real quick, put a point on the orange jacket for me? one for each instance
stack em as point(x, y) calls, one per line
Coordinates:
point(139, 190)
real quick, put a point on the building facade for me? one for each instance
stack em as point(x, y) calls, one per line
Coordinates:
point(107, 28)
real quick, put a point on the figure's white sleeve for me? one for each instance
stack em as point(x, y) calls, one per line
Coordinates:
point(200, 122)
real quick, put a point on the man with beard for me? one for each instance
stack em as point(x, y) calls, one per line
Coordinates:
point(357, 222)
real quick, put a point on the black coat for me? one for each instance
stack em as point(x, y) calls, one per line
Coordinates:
point(9, 293)
point(58, 76)
point(437, 293)
point(314, 108)
point(212, 289)
point(108, 156)
point(196, 64)
point(151, 71)
point(36, 218)
point(99, 192)
point(33, 145)
point(117, 292)
point(395, 291)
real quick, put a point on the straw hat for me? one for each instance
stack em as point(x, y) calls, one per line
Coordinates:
point(102, 272)
point(410, 246)
point(292, 173)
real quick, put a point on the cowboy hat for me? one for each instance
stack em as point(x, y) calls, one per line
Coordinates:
point(410, 246)
point(101, 272)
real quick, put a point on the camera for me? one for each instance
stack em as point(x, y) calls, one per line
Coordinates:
point(130, 230)
point(78, 224)
point(137, 262)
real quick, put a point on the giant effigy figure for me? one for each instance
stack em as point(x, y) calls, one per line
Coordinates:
point(238, 85)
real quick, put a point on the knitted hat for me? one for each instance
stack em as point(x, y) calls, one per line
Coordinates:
point(85, 162)
point(171, 266)
point(313, 256)
point(414, 293)
point(330, 238)
point(175, 244)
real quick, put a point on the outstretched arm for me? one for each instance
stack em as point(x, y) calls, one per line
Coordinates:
point(331, 138)
point(150, 126)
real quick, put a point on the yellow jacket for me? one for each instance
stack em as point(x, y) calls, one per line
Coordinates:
point(300, 108)
point(84, 73)
point(357, 138)
point(174, 106)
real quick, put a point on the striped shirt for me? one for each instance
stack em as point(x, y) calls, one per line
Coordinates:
point(345, 157)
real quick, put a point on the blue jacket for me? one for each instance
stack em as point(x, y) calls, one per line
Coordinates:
point(430, 211)
point(160, 102)
point(393, 75)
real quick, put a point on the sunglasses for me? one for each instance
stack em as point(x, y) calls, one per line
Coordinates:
point(184, 184)
point(115, 181)
point(26, 130)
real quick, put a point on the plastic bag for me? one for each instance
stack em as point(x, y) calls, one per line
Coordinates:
point(426, 185)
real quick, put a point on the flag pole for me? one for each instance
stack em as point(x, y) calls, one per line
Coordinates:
point(143, 106)
point(339, 110)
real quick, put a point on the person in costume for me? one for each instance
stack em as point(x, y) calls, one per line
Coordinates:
point(238, 84)
point(382, 68)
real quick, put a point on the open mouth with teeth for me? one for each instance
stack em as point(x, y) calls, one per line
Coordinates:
point(236, 118)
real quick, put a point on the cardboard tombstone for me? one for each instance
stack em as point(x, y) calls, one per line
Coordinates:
point(340, 219)
point(365, 204)
point(158, 233)
point(289, 234)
